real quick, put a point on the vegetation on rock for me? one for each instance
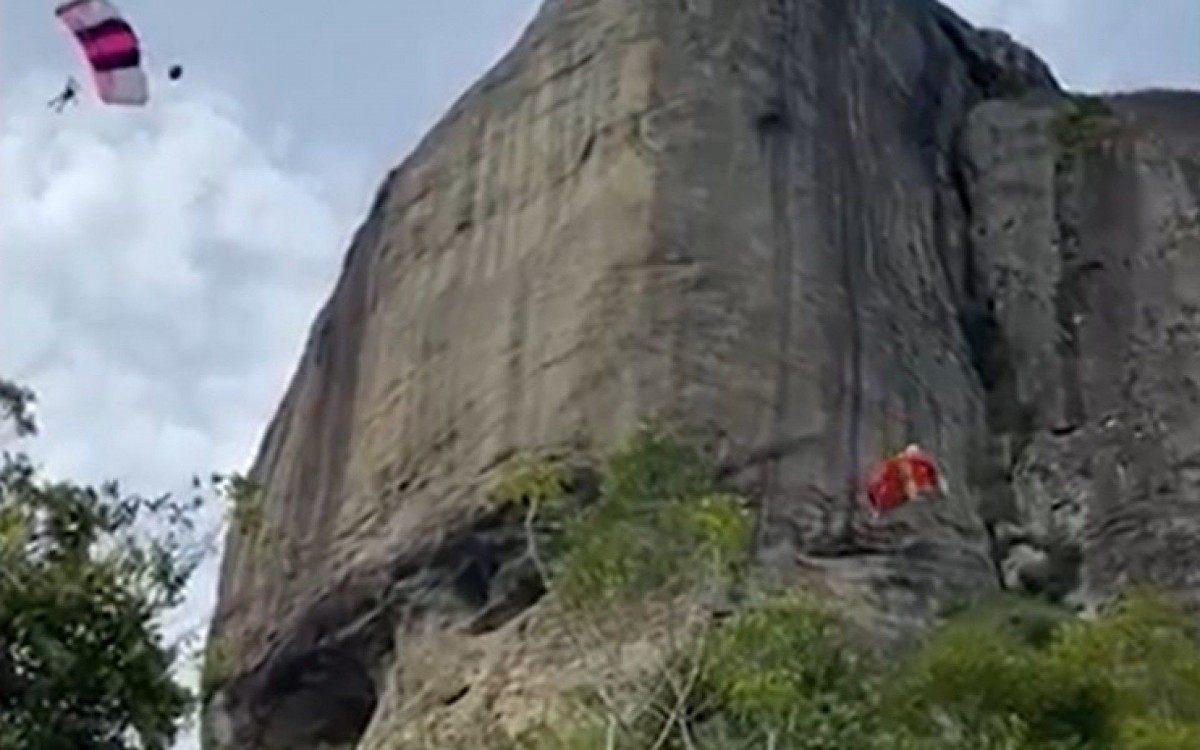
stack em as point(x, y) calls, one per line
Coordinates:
point(661, 523)
point(216, 665)
point(1009, 673)
point(244, 499)
point(1086, 121)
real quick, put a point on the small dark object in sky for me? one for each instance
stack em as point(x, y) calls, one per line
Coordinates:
point(174, 72)
point(69, 95)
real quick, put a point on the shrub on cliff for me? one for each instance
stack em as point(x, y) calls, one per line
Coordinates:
point(781, 672)
point(1084, 121)
point(783, 675)
point(660, 525)
point(1130, 678)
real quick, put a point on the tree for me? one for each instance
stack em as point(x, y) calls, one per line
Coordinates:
point(85, 577)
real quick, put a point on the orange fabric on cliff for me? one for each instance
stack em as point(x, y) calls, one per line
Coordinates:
point(902, 478)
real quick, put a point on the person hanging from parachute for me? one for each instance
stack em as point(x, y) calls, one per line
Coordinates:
point(69, 95)
point(111, 47)
point(905, 477)
point(112, 50)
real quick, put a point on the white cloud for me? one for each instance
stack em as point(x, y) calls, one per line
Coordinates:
point(159, 268)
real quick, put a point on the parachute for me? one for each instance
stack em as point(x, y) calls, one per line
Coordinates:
point(910, 475)
point(111, 47)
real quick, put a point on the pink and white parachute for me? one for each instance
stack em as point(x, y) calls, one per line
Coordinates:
point(111, 47)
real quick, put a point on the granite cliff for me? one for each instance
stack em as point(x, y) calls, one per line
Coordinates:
point(805, 230)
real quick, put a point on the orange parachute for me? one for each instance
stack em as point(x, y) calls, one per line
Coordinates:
point(909, 475)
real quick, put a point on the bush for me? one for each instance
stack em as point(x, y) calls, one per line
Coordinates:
point(973, 679)
point(533, 484)
point(1084, 684)
point(1156, 734)
point(784, 669)
point(1145, 653)
point(1008, 673)
point(245, 500)
point(215, 669)
point(1031, 621)
point(661, 525)
point(1086, 121)
point(1004, 675)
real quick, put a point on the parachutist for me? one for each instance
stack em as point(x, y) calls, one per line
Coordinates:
point(910, 475)
point(111, 48)
point(68, 96)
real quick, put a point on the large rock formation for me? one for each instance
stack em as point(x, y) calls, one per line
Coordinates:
point(809, 230)
point(1085, 232)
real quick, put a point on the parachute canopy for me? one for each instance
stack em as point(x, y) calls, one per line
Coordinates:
point(907, 476)
point(111, 48)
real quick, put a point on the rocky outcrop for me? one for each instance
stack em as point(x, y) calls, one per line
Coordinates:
point(1085, 234)
point(810, 231)
point(1169, 118)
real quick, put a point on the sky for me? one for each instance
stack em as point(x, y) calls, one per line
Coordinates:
point(159, 268)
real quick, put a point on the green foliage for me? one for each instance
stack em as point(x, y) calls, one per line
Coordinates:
point(218, 660)
point(973, 679)
point(245, 499)
point(1146, 653)
point(582, 733)
point(83, 582)
point(1029, 620)
point(1007, 673)
point(16, 406)
point(531, 483)
point(1157, 734)
point(781, 674)
point(654, 466)
point(661, 520)
point(1085, 685)
point(784, 670)
point(661, 524)
point(540, 489)
point(767, 663)
point(1086, 121)
point(1001, 675)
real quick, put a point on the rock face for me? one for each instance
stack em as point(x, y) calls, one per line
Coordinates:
point(1086, 236)
point(810, 230)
